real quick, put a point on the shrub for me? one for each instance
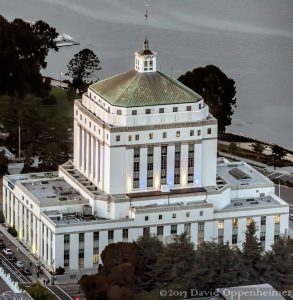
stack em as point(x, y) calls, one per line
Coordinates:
point(12, 231)
point(2, 219)
point(59, 271)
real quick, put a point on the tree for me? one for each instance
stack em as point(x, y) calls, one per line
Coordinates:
point(258, 148)
point(233, 147)
point(82, 68)
point(217, 265)
point(23, 50)
point(38, 292)
point(217, 90)
point(150, 248)
point(252, 254)
point(280, 262)
point(277, 154)
point(3, 164)
point(175, 261)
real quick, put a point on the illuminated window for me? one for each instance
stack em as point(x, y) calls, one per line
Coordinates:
point(221, 224)
point(277, 219)
point(235, 222)
point(249, 220)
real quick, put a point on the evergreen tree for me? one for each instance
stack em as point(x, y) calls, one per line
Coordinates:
point(277, 154)
point(258, 148)
point(175, 262)
point(82, 68)
point(280, 262)
point(217, 90)
point(253, 255)
point(150, 248)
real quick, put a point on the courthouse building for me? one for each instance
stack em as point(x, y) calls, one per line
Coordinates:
point(145, 161)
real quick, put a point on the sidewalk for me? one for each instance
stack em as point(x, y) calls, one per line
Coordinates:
point(22, 249)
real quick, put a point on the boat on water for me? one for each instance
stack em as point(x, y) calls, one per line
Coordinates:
point(63, 40)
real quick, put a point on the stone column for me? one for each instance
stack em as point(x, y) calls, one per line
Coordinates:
point(103, 242)
point(228, 231)
point(73, 251)
point(58, 250)
point(88, 250)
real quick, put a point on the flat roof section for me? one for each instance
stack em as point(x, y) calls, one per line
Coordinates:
point(240, 174)
point(53, 190)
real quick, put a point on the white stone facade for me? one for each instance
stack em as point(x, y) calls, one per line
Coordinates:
point(144, 169)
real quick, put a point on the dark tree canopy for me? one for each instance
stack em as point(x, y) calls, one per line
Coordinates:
point(277, 154)
point(217, 90)
point(23, 50)
point(82, 68)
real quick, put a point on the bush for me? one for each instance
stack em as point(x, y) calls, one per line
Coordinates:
point(59, 271)
point(12, 231)
point(2, 219)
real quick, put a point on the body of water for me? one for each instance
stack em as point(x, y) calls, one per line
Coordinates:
point(251, 41)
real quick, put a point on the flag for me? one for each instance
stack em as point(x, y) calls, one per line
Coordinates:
point(146, 14)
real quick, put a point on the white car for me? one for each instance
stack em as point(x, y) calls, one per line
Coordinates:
point(291, 217)
point(19, 264)
point(7, 251)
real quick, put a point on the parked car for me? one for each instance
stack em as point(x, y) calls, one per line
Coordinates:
point(2, 246)
point(26, 272)
point(19, 264)
point(7, 251)
point(291, 217)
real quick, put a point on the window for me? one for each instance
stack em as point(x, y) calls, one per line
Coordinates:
point(190, 163)
point(110, 234)
point(235, 223)
point(277, 219)
point(187, 214)
point(161, 110)
point(177, 133)
point(164, 135)
point(117, 138)
point(191, 132)
point(125, 233)
point(148, 111)
point(163, 164)
point(150, 136)
point(80, 117)
point(129, 138)
point(249, 220)
point(187, 228)
point(137, 137)
point(119, 112)
point(220, 240)
point(221, 224)
point(177, 164)
point(175, 109)
point(263, 220)
point(276, 236)
point(188, 108)
point(199, 132)
point(173, 216)
point(66, 238)
point(200, 105)
point(66, 258)
point(234, 239)
point(81, 237)
point(173, 229)
point(209, 130)
point(160, 217)
point(81, 257)
point(146, 231)
point(200, 226)
point(96, 235)
point(76, 112)
point(160, 230)
point(134, 112)
point(95, 255)
point(90, 124)
point(201, 213)
point(262, 236)
point(146, 218)
point(150, 166)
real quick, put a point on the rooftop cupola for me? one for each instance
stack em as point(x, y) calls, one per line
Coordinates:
point(145, 59)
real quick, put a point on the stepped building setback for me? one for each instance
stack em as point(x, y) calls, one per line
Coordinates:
point(145, 161)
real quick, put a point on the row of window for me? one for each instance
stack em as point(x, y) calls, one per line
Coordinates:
point(164, 135)
point(187, 214)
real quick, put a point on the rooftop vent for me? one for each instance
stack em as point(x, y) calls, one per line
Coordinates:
point(237, 204)
point(239, 174)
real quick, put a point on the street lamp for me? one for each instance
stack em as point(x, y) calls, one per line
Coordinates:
point(60, 79)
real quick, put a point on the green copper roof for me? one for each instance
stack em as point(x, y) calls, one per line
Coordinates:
point(133, 89)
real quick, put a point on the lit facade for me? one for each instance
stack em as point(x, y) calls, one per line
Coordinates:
point(145, 161)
